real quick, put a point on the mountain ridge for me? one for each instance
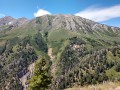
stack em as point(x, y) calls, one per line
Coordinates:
point(67, 21)
point(11, 22)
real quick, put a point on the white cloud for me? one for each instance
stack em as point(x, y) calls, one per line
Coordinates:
point(41, 12)
point(100, 14)
point(2, 15)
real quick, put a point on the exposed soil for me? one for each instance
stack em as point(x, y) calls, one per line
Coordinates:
point(24, 78)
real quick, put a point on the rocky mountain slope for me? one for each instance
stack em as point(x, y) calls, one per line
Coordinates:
point(78, 51)
point(11, 23)
point(69, 22)
point(73, 23)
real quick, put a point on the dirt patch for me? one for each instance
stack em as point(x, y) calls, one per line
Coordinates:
point(52, 58)
point(118, 88)
point(50, 54)
point(24, 78)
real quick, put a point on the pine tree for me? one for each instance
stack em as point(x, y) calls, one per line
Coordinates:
point(41, 79)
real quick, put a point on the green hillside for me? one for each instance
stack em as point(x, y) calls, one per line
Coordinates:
point(78, 57)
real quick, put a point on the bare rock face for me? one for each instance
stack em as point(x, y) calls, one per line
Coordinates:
point(102, 27)
point(73, 23)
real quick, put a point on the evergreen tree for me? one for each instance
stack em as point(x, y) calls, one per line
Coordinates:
point(41, 79)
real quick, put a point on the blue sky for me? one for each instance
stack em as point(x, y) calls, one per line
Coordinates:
point(103, 11)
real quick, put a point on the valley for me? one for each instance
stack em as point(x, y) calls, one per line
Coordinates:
point(66, 51)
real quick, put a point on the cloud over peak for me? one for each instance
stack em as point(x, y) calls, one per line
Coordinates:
point(41, 12)
point(100, 14)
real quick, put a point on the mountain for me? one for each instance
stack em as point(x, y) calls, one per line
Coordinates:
point(9, 22)
point(76, 52)
point(71, 22)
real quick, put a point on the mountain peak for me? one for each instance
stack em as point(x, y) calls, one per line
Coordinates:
point(6, 18)
point(73, 23)
point(12, 22)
